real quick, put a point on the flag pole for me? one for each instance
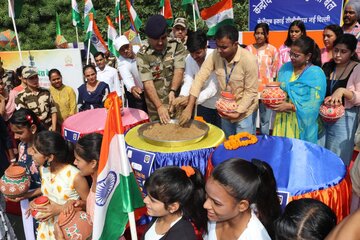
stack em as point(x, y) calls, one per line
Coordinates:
point(16, 34)
point(132, 224)
point(88, 52)
point(119, 19)
point(193, 10)
point(77, 36)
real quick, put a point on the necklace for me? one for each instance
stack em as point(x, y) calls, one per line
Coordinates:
point(299, 75)
point(333, 81)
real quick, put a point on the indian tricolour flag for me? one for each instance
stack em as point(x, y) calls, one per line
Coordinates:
point(15, 7)
point(191, 6)
point(75, 14)
point(93, 34)
point(111, 35)
point(167, 11)
point(88, 8)
point(217, 15)
point(134, 18)
point(117, 192)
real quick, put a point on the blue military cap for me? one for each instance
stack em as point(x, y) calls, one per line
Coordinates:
point(155, 26)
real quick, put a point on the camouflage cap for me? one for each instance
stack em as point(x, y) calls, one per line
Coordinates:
point(28, 72)
point(181, 22)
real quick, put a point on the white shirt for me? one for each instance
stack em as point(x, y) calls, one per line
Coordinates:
point(110, 76)
point(210, 91)
point(151, 233)
point(129, 72)
point(254, 230)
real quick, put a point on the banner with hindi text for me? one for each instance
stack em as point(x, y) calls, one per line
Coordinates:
point(279, 14)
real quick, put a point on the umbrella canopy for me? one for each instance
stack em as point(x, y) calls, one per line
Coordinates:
point(8, 37)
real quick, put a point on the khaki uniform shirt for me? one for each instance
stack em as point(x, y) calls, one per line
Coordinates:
point(243, 80)
point(41, 103)
point(159, 67)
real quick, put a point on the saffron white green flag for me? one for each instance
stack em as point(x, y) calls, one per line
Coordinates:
point(93, 34)
point(117, 11)
point(76, 19)
point(134, 18)
point(188, 6)
point(111, 35)
point(117, 192)
point(15, 7)
point(88, 8)
point(217, 15)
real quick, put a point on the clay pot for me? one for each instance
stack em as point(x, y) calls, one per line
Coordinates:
point(272, 94)
point(331, 113)
point(39, 201)
point(226, 103)
point(76, 225)
point(15, 182)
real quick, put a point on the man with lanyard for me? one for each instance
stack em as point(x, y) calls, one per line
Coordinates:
point(236, 71)
point(107, 74)
point(129, 73)
point(350, 17)
point(161, 64)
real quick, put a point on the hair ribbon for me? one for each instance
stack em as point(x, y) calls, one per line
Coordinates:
point(188, 170)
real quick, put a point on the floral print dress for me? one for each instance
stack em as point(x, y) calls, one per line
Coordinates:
point(59, 188)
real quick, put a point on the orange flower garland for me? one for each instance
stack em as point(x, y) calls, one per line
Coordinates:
point(234, 141)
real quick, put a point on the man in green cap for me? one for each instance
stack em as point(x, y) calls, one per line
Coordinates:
point(161, 64)
point(37, 99)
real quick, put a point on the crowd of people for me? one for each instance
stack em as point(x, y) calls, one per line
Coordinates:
point(176, 75)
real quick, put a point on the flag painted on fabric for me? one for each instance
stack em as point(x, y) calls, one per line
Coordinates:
point(93, 33)
point(167, 11)
point(134, 18)
point(217, 15)
point(117, 192)
point(58, 29)
point(117, 12)
point(88, 8)
point(111, 35)
point(76, 19)
point(188, 5)
point(15, 7)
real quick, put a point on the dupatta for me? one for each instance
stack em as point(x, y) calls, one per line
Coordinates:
point(307, 94)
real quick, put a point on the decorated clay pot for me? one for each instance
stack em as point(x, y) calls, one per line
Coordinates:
point(39, 201)
point(331, 113)
point(226, 102)
point(15, 182)
point(76, 225)
point(272, 94)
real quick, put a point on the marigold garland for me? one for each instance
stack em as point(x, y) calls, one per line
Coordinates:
point(234, 141)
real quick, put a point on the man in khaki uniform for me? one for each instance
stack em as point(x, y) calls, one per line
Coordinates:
point(161, 64)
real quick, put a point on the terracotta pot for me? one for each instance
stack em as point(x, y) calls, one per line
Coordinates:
point(272, 94)
point(226, 102)
point(331, 113)
point(39, 201)
point(15, 182)
point(76, 225)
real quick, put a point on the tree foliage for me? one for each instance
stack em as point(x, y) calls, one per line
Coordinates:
point(37, 28)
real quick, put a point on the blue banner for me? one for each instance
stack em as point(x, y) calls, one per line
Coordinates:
point(141, 162)
point(279, 14)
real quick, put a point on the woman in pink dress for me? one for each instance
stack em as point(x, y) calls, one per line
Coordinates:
point(268, 61)
point(295, 31)
point(330, 34)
